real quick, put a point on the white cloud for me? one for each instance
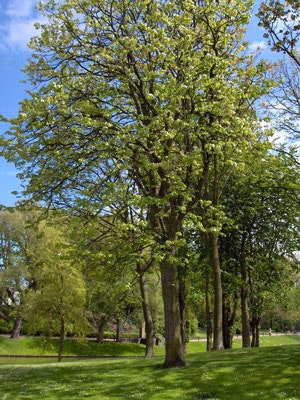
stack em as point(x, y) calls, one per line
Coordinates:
point(17, 24)
point(19, 34)
point(254, 46)
point(279, 138)
point(20, 8)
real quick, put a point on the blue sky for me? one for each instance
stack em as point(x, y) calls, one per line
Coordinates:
point(17, 19)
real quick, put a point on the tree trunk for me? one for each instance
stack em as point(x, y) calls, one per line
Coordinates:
point(227, 336)
point(209, 317)
point(254, 323)
point(61, 338)
point(228, 321)
point(169, 226)
point(173, 340)
point(101, 323)
point(245, 317)
point(119, 333)
point(218, 317)
point(182, 306)
point(16, 331)
point(244, 297)
point(149, 327)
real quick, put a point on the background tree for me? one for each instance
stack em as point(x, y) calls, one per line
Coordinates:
point(110, 277)
point(57, 304)
point(264, 234)
point(283, 106)
point(290, 313)
point(120, 258)
point(19, 239)
point(12, 269)
point(281, 21)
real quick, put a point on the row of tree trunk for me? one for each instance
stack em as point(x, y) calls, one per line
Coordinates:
point(220, 312)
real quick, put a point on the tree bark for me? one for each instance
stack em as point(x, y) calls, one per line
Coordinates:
point(254, 323)
point(209, 317)
point(244, 298)
point(16, 331)
point(169, 226)
point(227, 336)
point(119, 333)
point(228, 320)
point(182, 306)
point(218, 300)
point(149, 326)
point(173, 340)
point(61, 338)
point(101, 323)
point(245, 317)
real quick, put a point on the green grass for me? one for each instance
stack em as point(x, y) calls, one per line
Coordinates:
point(40, 347)
point(274, 340)
point(268, 373)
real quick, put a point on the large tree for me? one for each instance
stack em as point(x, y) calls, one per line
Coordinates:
point(140, 102)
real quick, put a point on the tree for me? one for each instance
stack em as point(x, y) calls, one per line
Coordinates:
point(19, 239)
point(281, 22)
point(261, 241)
point(11, 270)
point(290, 314)
point(110, 272)
point(282, 29)
point(283, 106)
point(117, 256)
point(57, 304)
point(136, 103)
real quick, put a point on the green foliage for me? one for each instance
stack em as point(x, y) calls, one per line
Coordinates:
point(20, 239)
point(110, 260)
point(60, 294)
point(132, 101)
point(264, 230)
point(292, 310)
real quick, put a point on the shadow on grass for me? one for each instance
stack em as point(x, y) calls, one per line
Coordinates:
point(264, 374)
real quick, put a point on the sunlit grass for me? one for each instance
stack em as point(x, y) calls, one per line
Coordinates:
point(265, 374)
point(268, 373)
point(40, 346)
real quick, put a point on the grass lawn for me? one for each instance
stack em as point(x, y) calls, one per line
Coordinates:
point(39, 346)
point(268, 373)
